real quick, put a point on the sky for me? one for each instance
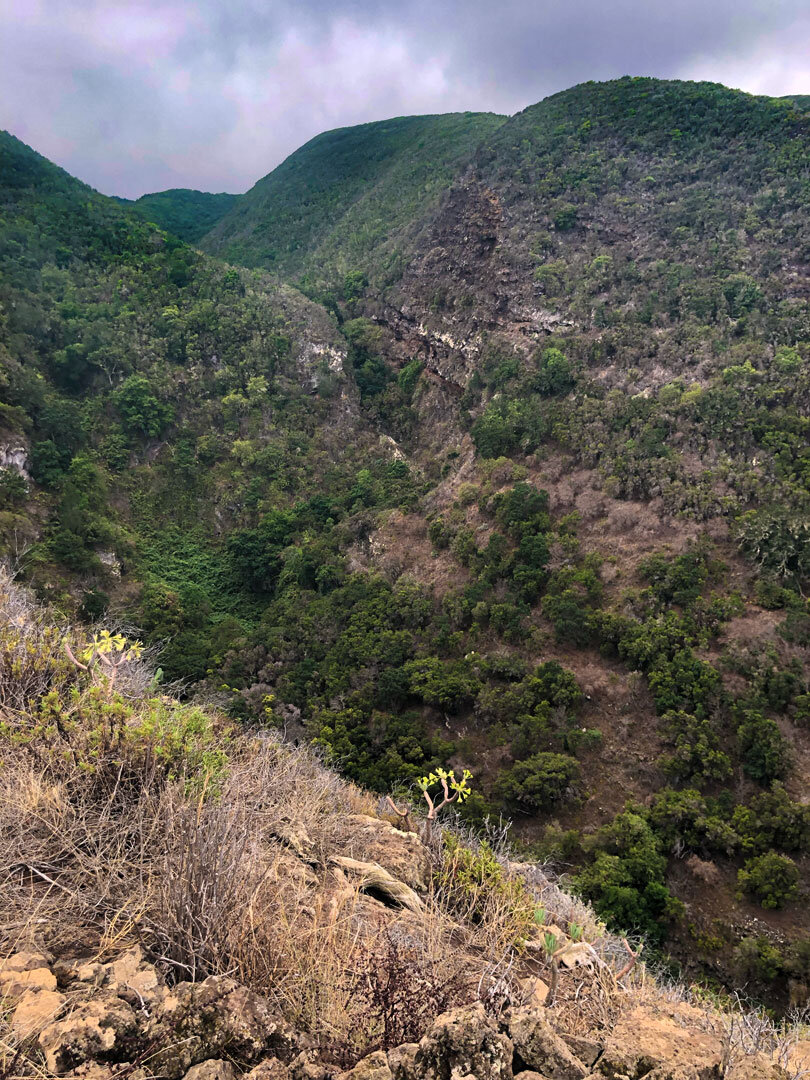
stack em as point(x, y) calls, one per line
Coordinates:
point(144, 95)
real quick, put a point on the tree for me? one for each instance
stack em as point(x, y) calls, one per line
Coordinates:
point(764, 752)
point(141, 411)
point(555, 375)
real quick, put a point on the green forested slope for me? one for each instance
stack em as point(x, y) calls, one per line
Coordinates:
point(186, 213)
point(800, 100)
point(161, 397)
point(579, 569)
point(334, 205)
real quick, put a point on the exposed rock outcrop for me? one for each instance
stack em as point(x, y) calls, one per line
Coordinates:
point(97, 1030)
point(215, 1018)
point(662, 1043)
point(120, 1017)
point(464, 1042)
point(539, 1048)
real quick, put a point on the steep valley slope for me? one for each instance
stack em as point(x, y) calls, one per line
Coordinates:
point(493, 457)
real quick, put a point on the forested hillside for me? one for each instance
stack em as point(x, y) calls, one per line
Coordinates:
point(522, 487)
point(337, 204)
point(187, 214)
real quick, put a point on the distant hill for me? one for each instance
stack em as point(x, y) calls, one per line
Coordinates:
point(801, 100)
point(335, 205)
point(186, 213)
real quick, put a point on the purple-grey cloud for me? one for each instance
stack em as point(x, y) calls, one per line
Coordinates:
point(140, 95)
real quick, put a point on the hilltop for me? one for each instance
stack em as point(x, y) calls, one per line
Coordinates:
point(520, 486)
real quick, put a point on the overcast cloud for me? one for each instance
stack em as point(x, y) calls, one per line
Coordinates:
point(140, 96)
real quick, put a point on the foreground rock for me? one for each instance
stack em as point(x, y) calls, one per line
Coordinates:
point(111, 1018)
point(464, 1042)
point(401, 853)
point(662, 1042)
point(211, 1070)
point(98, 1030)
point(130, 976)
point(540, 1049)
point(35, 1009)
point(216, 1018)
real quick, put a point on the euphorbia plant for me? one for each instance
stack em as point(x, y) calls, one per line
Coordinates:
point(104, 656)
point(452, 790)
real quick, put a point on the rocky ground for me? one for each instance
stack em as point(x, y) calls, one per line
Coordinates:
point(119, 1019)
point(184, 901)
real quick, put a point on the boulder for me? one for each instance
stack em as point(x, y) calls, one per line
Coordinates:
point(401, 853)
point(679, 1072)
point(14, 983)
point(759, 1067)
point(213, 1069)
point(269, 1069)
point(132, 971)
point(662, 1042)
point(308, 1066)
point(90, 1070)
point(23, 961)
point(91, 972)
point(35, 1009)
point(130, 975)
point(578, 954)
point(95, 1031)
point(402, 1061)
point(535, 992)
point(373, 1067)
point(212, 1019)
point(587, 1050)
point(462, 1043)
point(539, 1048)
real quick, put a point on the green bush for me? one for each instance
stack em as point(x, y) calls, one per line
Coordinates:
point(696, 756)
point(474, 883)
point(539, 782)
point(446, 684)
point(772, 820)
point(757, 960)
point(764, 751)
point(626, 879)
point(770, 879)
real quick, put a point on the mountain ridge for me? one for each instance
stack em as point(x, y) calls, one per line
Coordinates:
point(381, 148)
